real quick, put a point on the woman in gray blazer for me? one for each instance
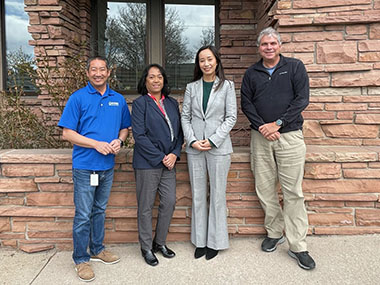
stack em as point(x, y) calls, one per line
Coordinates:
point(208, 115)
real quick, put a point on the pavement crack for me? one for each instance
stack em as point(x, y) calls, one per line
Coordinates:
point(43, 267)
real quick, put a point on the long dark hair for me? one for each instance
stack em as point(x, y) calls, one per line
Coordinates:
point(141, 87)
point(219, 71)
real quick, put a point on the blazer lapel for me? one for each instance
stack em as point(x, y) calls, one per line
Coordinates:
point(213, 94)
point(154, 106)
point(199, 95)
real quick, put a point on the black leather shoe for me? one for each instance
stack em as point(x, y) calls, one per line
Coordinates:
point(149, 257)
point(166, 252)
point(199, 252)
point(211, 253)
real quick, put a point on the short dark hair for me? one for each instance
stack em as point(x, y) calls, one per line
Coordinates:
point(141, 87)
point(97, 57)
point(198, 74)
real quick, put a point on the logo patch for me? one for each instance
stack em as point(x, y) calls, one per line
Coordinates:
point(284, 72)
point(113, 104)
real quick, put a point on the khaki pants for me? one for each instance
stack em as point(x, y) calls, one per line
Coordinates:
point(281, 161)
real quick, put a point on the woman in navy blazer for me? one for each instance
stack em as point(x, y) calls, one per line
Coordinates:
point(157, 132)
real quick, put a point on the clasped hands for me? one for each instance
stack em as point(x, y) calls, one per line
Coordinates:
point(169, 160)
point(270, 131)
point(201, 145)
point(106, 148)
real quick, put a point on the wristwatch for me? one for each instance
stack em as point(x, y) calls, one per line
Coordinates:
point(279, 122)
point(121, 142)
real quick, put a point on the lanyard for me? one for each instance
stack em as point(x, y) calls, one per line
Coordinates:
point(158, 104)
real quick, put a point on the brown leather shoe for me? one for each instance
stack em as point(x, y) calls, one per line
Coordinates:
point(106, 257)
point(85, 272)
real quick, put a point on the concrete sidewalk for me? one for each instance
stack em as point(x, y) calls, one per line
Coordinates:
point(340, 260)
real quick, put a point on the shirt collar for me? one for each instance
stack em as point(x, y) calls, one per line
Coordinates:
point(92, 90)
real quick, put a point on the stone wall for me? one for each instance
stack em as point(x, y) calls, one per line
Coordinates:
point(341, 187)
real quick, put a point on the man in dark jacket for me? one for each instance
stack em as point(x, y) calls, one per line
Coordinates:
point(274, 92)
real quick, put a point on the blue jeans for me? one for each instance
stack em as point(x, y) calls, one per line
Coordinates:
point(90, 205)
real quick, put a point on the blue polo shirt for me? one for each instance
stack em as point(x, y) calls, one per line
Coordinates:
point(97, 117)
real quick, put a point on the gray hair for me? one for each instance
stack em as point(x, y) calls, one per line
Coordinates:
point(98, 57)
point(269, 32)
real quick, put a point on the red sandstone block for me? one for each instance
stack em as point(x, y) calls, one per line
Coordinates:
point(126, 225)
point(179, 229)
point(349, 211)
point(244, 187)
point(361, 173)
point(12, 243)
point(367, 217)
point(9, 185)
point(346, 106)
point(341, 186)
point(12, 201)
point(369, 45)
point(325, 204)
point(120, 237)
point(48, 2)
point(345, 115)
point(46, 179)
point(349, 197)
point(242, 213)
point(337, 52)
point(31, 248)
point(346, 230)
point(360, 204)
point(50, 235)
point(367, 119)
point(18, 227)
point(330, 219)
point(374, 164)
point(4, 225)
point(6, 236)
point(178, 237)
point(356, 29)
point(124, 177)
point(356, 79)
point(123, 199)
point(10, 211)
point(236, 221)
point(351, 131)
point(369, 56)
point(56, 187)
point(355, 165)
point(348, 67)
point(374, 31)
point(308, 115)
point(50, 226)
point(49, 199)
point(251, 230)
point(323, 170)
point(121, 213)
point(315, 107)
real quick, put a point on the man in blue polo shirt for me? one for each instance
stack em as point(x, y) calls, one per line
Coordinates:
point(95, 120)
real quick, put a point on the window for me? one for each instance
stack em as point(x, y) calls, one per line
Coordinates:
point(15, 49)
point(137, 33)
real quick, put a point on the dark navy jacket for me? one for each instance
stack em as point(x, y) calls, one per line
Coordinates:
point(152, 134)
point(282, 95)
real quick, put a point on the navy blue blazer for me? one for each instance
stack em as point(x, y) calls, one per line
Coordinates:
point(152, 134)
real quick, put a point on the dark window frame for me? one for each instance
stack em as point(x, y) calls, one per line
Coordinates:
point(155, 28)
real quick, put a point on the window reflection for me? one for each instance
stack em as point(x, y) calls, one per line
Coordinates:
point(187, 28)
point(19, 54)
point(125, 44)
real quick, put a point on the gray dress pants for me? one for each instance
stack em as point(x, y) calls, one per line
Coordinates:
point(209, 224)
point(148, 182)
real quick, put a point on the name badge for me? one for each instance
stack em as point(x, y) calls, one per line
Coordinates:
point(94, 179)
point(113, 104)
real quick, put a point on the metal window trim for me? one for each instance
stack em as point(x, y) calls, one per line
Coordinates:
point(3, 71)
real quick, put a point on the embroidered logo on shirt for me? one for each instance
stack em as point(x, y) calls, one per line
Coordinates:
point(113, 103)
point(284, 72)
